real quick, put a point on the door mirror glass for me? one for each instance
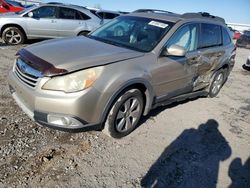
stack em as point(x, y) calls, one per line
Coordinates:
point(174, 50)
point(30, 14)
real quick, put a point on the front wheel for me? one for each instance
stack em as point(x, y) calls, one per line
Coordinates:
point(217, 83)
point(124, 114)
point(13, 36)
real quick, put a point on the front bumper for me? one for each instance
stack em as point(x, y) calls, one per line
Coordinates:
point(38, 104)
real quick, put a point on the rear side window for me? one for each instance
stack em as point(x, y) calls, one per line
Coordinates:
point(106, 15)
point(67, 13)
point(71, 14)
point(82, 16)
point(210, 35)
point(226, 37)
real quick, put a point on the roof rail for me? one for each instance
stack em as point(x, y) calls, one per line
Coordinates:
point(202, 15)
point(152, 11)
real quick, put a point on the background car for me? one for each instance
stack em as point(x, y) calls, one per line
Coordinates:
point(10, 6)
point(47, 21)
point(244, 40)
point(106, 15)
point(18, 4)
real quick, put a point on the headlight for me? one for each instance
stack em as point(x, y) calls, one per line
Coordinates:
point(75, 81)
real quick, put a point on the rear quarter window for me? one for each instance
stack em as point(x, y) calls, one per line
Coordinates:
point(226, 37)
point(210, 35)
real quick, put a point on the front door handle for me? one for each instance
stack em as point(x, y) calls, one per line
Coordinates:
point(53, 21)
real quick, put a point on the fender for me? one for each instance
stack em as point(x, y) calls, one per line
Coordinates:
point(149, 93)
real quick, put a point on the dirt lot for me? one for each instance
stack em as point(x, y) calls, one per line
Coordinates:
point(199, 143)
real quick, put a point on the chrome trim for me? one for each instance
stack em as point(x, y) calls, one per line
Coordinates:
point(26, 74)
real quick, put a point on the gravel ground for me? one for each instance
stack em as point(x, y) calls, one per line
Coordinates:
point(199, 143)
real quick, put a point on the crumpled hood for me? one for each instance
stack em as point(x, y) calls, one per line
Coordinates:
point(77, 53)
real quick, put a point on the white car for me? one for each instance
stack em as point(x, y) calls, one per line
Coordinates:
point(47, 21)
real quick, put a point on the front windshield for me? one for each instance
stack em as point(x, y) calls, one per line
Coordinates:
point(141, 34)
point(25, 10)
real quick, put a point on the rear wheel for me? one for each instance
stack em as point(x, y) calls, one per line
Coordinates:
point(13, 36)
point(124, 114)
point(217, 83)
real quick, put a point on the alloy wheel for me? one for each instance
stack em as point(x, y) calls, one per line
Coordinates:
point(217, 84)
point(13, 37)
point(128, 115)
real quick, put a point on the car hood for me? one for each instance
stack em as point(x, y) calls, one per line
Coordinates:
point(76, 53)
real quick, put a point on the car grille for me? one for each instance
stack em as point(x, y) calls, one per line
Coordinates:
point(26, 74)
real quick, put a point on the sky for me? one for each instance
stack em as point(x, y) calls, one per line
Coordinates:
point(233, 11)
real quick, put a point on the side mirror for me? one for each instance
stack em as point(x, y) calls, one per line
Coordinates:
point(174, 50)
point(30, 14)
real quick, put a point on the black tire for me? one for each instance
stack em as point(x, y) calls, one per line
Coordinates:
point(217, 82)
point(13, 36)
point(125, 114)
point(83, 33)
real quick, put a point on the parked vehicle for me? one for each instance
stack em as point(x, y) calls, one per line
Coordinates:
point(107, 15)
point(236, 35)
point(47, 21)
point(244, 40)
point(18, 4)
point(107, 81)
point(246, 66)
point(7, 6)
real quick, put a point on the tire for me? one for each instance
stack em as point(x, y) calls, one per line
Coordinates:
point(83, 33)
point(125, 114)
point(13, 36)
point(217, 83)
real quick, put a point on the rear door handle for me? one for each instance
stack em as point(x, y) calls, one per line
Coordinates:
point(53, 21)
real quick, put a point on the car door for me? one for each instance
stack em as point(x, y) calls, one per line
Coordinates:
point(211, 53)
point(71, 22)
point(43, 23)
point(174, 75)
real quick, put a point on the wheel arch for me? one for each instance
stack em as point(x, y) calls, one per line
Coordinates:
point(12, 25)
point(143, 85)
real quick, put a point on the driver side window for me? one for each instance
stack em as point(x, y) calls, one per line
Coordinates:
point(186, 36)
point(45, 12)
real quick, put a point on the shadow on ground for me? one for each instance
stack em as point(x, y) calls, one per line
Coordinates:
point(155, 112)
point(239, 173)
point(192, 160)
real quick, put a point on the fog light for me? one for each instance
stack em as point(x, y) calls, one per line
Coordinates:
point(63, 121)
